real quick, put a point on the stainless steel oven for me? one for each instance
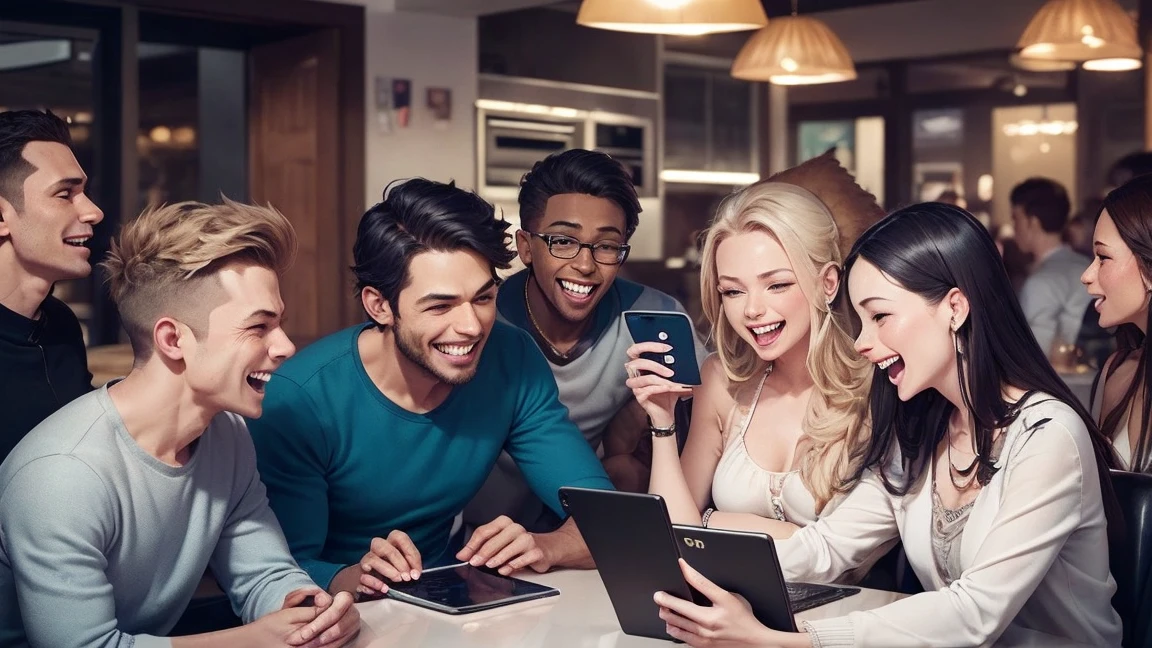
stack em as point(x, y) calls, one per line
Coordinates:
point(627, 140)
point(514, 144)
point(512, 137)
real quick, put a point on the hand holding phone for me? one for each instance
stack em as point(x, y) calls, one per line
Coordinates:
point(662, 363)
point(672, 329)
point(652, 384)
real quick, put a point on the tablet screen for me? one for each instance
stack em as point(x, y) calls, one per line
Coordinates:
point(464, 586)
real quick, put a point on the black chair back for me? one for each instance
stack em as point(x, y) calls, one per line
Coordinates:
point(1132, 564)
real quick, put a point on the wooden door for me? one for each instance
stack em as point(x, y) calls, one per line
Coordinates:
point(294, 149)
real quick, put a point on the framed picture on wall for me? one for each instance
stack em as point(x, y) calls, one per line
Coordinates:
point(440, 105)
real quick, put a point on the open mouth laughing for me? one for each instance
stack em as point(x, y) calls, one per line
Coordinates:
point(78, 241)
point(577, 292)
point(766, 334)
point(458, 353)
point(894, 366)
point(257, 380)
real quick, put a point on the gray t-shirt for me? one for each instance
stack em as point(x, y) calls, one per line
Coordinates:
point(1054, 300)
point(592, 385)
point(102, 544)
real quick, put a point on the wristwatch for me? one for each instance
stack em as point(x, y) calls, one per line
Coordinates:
point(661, 431)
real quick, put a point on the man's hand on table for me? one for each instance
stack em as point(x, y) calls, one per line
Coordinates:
point(325, 621)
point(505, 546)
point(394, 558)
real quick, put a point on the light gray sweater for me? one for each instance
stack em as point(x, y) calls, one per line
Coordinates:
point(1053, 299)
point(102, 544)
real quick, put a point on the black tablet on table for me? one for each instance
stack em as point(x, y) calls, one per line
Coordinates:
point(462, 588)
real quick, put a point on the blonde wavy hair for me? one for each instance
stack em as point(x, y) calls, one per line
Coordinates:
point(836, 423)
point(164, 262)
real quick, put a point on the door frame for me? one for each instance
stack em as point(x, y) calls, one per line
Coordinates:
point(115, 68)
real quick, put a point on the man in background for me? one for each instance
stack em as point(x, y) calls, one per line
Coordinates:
point(1052, 297)
point(46, 221)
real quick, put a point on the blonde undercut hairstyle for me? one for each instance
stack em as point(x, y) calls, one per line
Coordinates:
point(836, 423)
point(164, 262)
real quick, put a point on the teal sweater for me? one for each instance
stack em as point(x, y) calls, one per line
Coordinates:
point(343, 464)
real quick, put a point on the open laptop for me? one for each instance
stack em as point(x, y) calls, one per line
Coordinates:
point(746, 563)
point(636, 547)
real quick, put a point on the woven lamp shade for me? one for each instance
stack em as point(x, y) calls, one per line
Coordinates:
point(679, 17)
point(794, 50)
point(1098, 33)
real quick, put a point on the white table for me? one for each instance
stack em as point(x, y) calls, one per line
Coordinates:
point(581, 617)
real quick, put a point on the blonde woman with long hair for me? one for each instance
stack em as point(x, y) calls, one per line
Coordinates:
point(779, 422)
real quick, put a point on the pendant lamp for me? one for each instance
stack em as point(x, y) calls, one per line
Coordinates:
point(1097, 33)
point(676, 17)
point(794, 50)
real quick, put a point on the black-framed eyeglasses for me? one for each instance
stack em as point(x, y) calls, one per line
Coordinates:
point(562, 246)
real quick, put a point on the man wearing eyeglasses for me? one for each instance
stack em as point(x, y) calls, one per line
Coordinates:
point(578, 209)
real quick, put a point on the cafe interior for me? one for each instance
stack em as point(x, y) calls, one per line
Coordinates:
point(316, 106)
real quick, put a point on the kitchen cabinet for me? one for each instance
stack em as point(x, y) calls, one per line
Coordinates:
point(709, 120)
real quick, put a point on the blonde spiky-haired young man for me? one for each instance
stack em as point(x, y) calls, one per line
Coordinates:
point(112, 508)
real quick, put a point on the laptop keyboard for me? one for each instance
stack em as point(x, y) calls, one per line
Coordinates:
point(805, 596)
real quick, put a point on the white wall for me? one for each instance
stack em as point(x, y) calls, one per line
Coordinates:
point(430, 51)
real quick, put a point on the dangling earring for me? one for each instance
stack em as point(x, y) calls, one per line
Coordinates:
point(956, 338)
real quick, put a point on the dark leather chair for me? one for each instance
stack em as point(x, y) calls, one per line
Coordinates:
point(1132, 563)
point(892, 573)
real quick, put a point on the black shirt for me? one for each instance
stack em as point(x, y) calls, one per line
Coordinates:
point(43, 366)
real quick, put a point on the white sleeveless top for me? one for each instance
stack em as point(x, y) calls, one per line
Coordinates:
point(740, 485)
point(1120, 442)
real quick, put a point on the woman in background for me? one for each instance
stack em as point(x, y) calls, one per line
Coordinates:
point(1120, 280)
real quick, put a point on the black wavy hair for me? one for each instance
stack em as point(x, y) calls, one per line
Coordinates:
point(929, 249)
point(420, 215)
point(17, 129)
point(578, 171)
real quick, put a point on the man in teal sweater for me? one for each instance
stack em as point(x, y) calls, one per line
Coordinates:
point(374, 438)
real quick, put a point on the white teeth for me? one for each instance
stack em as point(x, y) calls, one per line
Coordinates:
point(262, 376)
point(455, 349)
point(761, 330)
point(78, 241)
point(579, 289)
point(884, 364)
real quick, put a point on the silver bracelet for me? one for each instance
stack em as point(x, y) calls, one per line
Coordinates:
point(707, 514)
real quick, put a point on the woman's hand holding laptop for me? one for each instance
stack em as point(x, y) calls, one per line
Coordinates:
point(728, 623)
